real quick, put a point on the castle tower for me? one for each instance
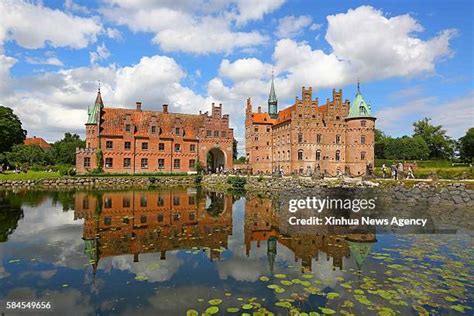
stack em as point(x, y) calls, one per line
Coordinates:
point(360, 136)
point(93, 122)
point(272, 101)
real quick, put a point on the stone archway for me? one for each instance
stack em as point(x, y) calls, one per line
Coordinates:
point(215, 159)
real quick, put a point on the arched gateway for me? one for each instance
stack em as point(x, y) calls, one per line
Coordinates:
point(215, 159)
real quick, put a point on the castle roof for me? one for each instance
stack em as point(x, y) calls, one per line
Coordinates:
point(36, 141)
point(262, 118)
point(114, 122)
point(93, 112)
point(359, 107)
point(272, 98)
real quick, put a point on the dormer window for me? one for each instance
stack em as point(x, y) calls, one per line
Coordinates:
point(153, 129)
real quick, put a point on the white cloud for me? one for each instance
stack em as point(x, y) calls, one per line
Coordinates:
point(70, 5)
point(291, 26)
point(33, 26)
point(193, 27)
point(452, 114)
point(101, 53)
point(48, 59)
point(243, 69)
point(113, 33)
point(6, 63)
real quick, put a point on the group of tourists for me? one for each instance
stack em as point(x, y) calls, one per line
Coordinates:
point(398, 171)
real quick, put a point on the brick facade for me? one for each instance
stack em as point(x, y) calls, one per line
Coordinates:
point(309, 135)
point(136, 141)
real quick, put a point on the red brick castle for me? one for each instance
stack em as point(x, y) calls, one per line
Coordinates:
point(135, 141)
point(332, 138)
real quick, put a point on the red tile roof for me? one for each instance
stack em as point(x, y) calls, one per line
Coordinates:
point(37, 141)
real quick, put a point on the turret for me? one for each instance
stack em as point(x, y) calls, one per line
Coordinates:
point(272, 101)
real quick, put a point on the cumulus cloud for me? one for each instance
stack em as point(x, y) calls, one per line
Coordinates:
point(291, 26)
point(243, 69)
point(193, 27)
point(33, 26)
point(49, 58)
point(101, 53)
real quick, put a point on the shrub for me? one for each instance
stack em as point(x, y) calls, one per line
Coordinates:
point(237, 183)
point(198, 179)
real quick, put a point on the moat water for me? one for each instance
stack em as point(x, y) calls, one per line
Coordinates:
point(187, 251)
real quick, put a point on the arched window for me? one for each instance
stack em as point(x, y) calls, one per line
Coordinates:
point(318, 154)
point(362, 139)
point(338, 155)
point(363, 123)
point(338, 139)
point(318, 139)
point(362, 155)
point(300, 154)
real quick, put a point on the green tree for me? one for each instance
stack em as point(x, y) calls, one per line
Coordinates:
point(242, 159)
point(234, 149)
point(380, 143)
point(28, 155)
point(11, 132)
point(441, 146)
point(466, 145)
point(406, 148)
point(64, 150)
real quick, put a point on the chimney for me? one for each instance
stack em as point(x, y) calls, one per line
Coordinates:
point(259, 109)
point(165, 108)
point(139, 106)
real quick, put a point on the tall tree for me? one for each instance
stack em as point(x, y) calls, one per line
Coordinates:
point(64, 150)
point(441, 146)
point(234, 149)
point(11, 132)
point(28, 155)
point(380, 143)
point(466, 145)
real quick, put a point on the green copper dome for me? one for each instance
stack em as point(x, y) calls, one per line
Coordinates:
point(359, 108)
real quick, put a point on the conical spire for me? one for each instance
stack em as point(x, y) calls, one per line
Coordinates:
point(93, 112)
point(359, 108)
point(98, 99)
point(272, 100)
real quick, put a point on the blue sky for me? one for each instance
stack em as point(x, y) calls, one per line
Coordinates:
point(414, 58)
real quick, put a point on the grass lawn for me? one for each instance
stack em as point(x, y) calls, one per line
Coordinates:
point(30, 175)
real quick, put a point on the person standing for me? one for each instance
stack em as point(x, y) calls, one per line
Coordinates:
point(410, 173)
point(394, 171)
point(400, 171)
point(384, 171)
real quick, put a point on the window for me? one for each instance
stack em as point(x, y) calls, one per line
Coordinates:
point(160, 217)
point(160, 201)
point(126, 202)
point(300, 138)
point(338, 155)
point(363, 123)
point(144, 163)
point(87, 162)
point(192, 164)
point(144, 146)
point(191, 200)
point(362, 139)
point(256, 129)
point(143, 201)
point(127, 145)
point(126, 220)
point(127, 162)
point(177, 147)
point(161, 146)
point(109, 144)
point(128, 127)
point(153, 129)
point(362, 111)
point(161, 163)
point(216, 133)
point(208, 133)
point(268, 129)
point(176, 200)
point(107, 220)
point(85, 203)
point(362, 155)
point(223, 134)
point(177, 131)
point(192, 216)
point(107, 202)
point(300, 155)
point(337, 118)
point(192, 148)
point(176, 217)
point(338, 139)
point(109, 162)
point(318, 154)
point(143, 219)
point(318, 139)
point(177, 163)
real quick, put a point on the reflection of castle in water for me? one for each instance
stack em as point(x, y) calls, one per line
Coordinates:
point(136, 222)
point(263, 224)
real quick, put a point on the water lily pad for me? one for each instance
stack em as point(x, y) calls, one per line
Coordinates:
point(215, 301)
point(332, 295)
point(192, 312)
point(286, 282)
point(280, 275)
point(279, 290)
point(232, 310)
point(247, 306)
point(141, 278)
point(212, 310)
point(264, 279)
point(283, 304)
point(273, 286)
point(327, 311)
point(308, 276)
